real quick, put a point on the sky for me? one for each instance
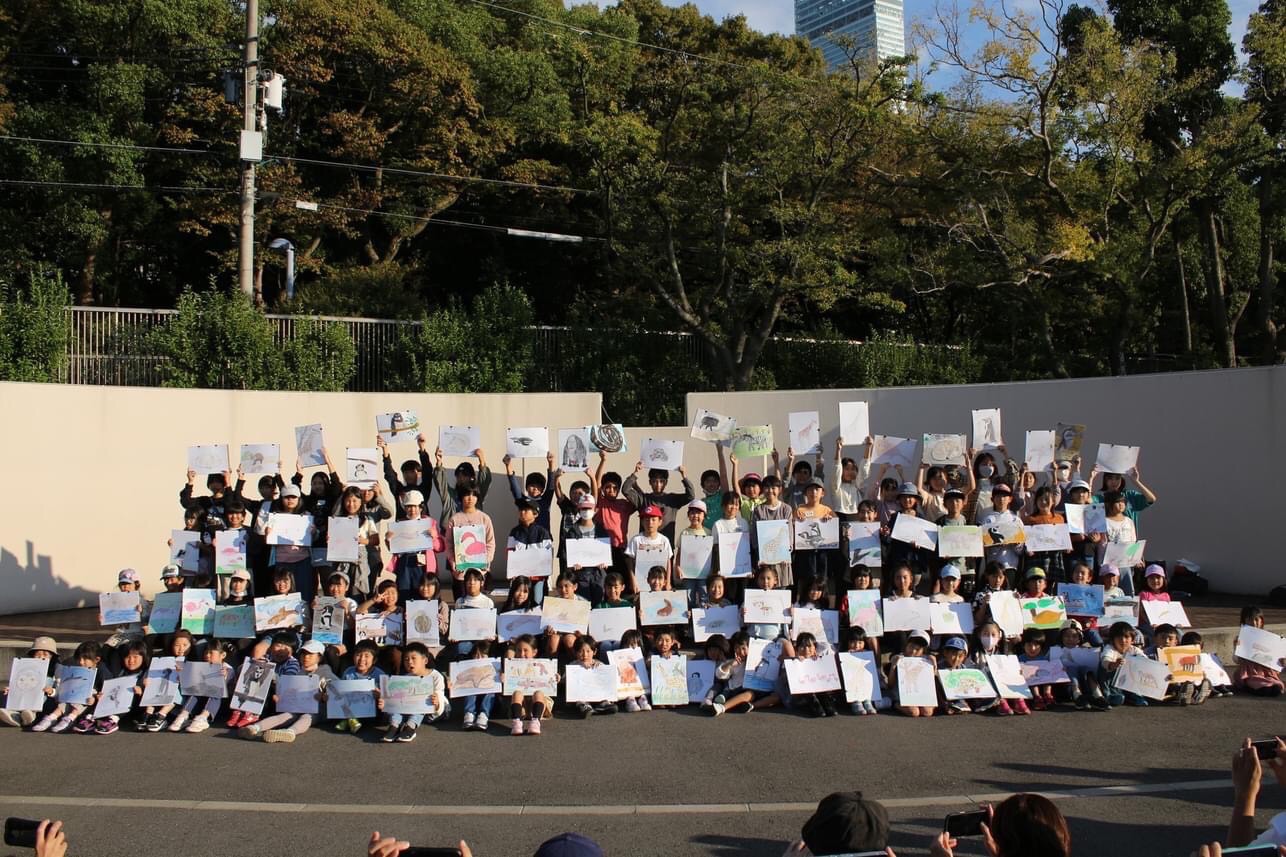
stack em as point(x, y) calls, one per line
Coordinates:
point(778, 16)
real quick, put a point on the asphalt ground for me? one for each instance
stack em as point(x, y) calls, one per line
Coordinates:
point(1151, 781)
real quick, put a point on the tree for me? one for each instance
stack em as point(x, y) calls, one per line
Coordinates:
point(33, 329)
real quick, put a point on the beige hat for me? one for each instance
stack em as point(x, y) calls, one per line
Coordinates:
point(44, 644)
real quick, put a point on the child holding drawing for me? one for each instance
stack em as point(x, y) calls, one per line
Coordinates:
point(990, 640)
point(731, 522)
point(364, 655)
point(583, 652)
point(179, 649)
point(812, 704)
point(649, 543)
point(462, 546)
point(273, 729)
point(695, 586)
point(215, 653)
point(477, 708)
point(772, 509)
point(657, 497)
point(1035, 649)
point(1251, 677)
point(526, 713)
point(916, 646)
point(859, 642)
point(416, 661)
point(411, 568)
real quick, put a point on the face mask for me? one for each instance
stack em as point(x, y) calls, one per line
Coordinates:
point(586, 514)
point(990, 642)
point(984, 471)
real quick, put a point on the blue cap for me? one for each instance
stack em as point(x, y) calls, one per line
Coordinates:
point(955, 643)
point(569, 845)
point(949, 570)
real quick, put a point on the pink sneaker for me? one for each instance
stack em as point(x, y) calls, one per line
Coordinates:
point(1020, 706)
point(1003, 708)
point(533, 726)
point(516, 729)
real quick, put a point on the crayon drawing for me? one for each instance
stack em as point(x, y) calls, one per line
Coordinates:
point(260, 458)
point(198, 611)
point(308, 445)
point(916, 684)
point(350, 699)
point(1046, 612)
point(328, 621)
point(669, 680)
point(234, 622)
point(279, 611)
point(398, 426)
point(531, 675)
point(474, 677)
point(631, 672)
point(1069, 438)
point(662, 608)
point(751, 441)
point(943, 449)
point(1007, 674)
point(864, 611)
point(966, 684)
point(407, 694)
point(27, 684)
point(608, 437)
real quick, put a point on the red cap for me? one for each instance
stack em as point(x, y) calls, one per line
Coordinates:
point(651, 511)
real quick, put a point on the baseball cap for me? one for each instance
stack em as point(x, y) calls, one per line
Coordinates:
point(1107, 569)
point(698, 505)
point(127, 575)
point(1001, 488)
point(569, 845)
point(385, 575)
point(651, 511)
point(241, 574)
point(908, 489)
point(586, 502)
point(523, 503)
point(412, 498)
point(953, 492)
point(291, 490)
point(752, 477)
point(949, 570)
point(1078, 483)
point(170, 572)
point(922, 636)
point(815, 483)
point(1154, 570)
point(1034, 571)
point(1072, 625)
point(955, 643)
point(313, 646)
point(44, 644)
point(844, 823)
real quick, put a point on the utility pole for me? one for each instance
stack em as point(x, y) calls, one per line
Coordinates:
point(251, 149)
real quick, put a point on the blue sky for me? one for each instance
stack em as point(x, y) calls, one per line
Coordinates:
point(778, 16)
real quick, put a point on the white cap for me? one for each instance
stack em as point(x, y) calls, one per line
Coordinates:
point(313, 646)
point(412, 498)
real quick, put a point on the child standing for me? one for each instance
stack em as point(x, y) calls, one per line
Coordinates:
point(475, 551)
point(653, 542)
point(731, 522)
point(813, 565)
point(612, 512)
point(537, 486)
point(694, 586)
point(411, 568)
point(657, 497)
point(772, 509)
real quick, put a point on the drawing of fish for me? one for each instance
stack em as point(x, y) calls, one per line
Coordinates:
point(667, 609)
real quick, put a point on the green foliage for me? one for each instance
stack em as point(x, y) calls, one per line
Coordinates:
point(483, 348)
point(33, 329)
point(319, 356)
point(217, 340)
point(386, 290)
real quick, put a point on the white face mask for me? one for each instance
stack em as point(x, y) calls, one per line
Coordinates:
point(986, 471)
point(989, 642)
point(586, 514)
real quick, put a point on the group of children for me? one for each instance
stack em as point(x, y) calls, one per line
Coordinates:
point(600, 506)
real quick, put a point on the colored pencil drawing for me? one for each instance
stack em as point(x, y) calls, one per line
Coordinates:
point(864, 611)
point(751, 441)
point(205, 680)
point(966, 684)
point(116, 696)
point(397, 426)
point(943, 449)
point(211, 458)
point(669, 680)
point(565, 615)
point(474, 677)
point(916, 685)
point(279, 611)
point(861, 678)
point(234, 622)
point(161, 683)
point(472, 623)
point(700, 680)
point(531, 675)
point(198, 611)
point(27, 684)
point(766, 606)
point(328, 621)
point(260, 458)
point(348, 699)
point(119, 608)
point(573, 448)
point(308, 445)
point(527, 442)
point(421, 622)
point(470, 546)
point(407, 694)
point(708, 425)
point(863, 543)
point(813, 675)
point(1047, 671)
point(1046, 612)
point(662, 608)
point(805, 432)
point(631, 672)
point(608, 437)
point(773, 541)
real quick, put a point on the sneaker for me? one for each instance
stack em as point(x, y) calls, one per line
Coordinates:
point(717, 709)
point(62, 725)
point(481, 723)
point(585, 710)
point(856, 708)
point(644, 705)
point(1021, 707)
point(342, 726)
point(140, 722)
point(828, 708)
point(1038, 702)
point(7, 718)
point(869, 707)
point(198, 725)
point(1136, 701)
point(84, 726)
point(155, 722)
point(1003, 708)
point(606, 708)
point(632, 705)
point(391, 735)
point(533, 726)
point(247, 719)
point(234, 719)
point(813, 708)
point(1082, 703)
point(179, 722)
point(250, 733)
point(517, 727)
point(405, 735)
point(277, 736)
point(43, 725)
point(469, 720)
point(106, 726)
point(1100, 703)
point(959, 706)
point(750, 706)
point(1116, 699)
point(1202, 693)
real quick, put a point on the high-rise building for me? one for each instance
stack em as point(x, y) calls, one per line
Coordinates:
point(875, 26)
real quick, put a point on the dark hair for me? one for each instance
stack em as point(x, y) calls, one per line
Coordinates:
point(1192, 638)
point(805, 586)
point(481, 649)
point(1042, 491)
point(180, 634)
point(367, 646)
point(1164, 628)
point(632, 639)
point(385, 586)
point(710, 474)
point(1120, 630)
point(654, 571)
point(888, 482)
point(859, 570)
point(410, 464)
point(846, 461)
point(475, 574)
point(994, 567)
point(804, 639)
point(215, 477)
point(464, 468)
point(350, 491)
point(524, 638)
point(741, 638)
point(88, 649)
point(1029, 825)
point(567, 576)
point(1110, 497)
point(658, 473)
point(856, 632)
point(611, 477)
point(771, 481)
point(720, 642)
point(1034, 635)
point(426, 578)
point(281, 572)
point(801, 464)
point(977, 461)
point(536, 479)
point(267, 480)
point(224, 646)
point(1249, 614)
point(716, 576)
point(730, 498)
point(584, 641)
point(610, 578)
point(287, 638)
point(418, 648)
point(466, 489)
point(934, 472)
point(893, 572)
point(866, 506)
point(581, 484)
point(514, 584)
point(234, 505)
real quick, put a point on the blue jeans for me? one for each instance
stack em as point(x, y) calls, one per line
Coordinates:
point(412, 720)
point(472, 704)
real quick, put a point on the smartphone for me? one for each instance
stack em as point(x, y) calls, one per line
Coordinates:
point(20, 832)
point(965, 823)
point(422, 851)
point(1265, 748)
point(1254, 850)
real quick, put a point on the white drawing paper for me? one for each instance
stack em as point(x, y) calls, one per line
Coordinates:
point(363, 466)
point(565, 615)
point(986, 429)
point(861, 677)
point(1142, 676)
point(474, 677)
point(817, 534)
point(812, 675)
point(527, 442)
point(260, 458)
point(766, 607)
point(472, 623)
point(1124, 555)
point(700, 680)
point(530, 560)
point(1261, 647)
point(662, 608)
point(116, 696)
point(947, 618)
point(350, 699)
point(1007, 612)
point(410, 536)
point(598, 683)
point(966, 684)
point(1039, 453)
point(662, 454)
point(573, 448)
point(280, 611)
point(763, 665)
point(341, 540)
point(162, 682)
point(893, 451)
point(1084, 518)
point(805, 432)
point(76, 684)
point(119, 608)
point(308, 445)
point(208, 458)
point(669, 680)
point(941, 450)
point(531, 675)
point(734, 554)
point(297, 694)
point(588, 553)
point(822, 624)
point(1114, 458)
point(715, 620)
point(27, 678)
point(1006, 673)
point(915, 531)
point(907, 614)
point(290, 529)
point(1041, 538)
point(854, 422)
point(916, 682)
point(631, 670)
point(696, 554)
point(459, 441)
point(398, 426)
point(707, 425)
point(515, 623)
point(1166, 613)
point(197, 678)
point(610, 623)
point(864, 611)
point(959, 541)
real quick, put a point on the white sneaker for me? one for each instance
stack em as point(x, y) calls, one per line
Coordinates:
point(43, 725)
point(7, 718)
point(719, 708)
point(468, 720)
point(516, 728)
point(198, 725)
point(631, 705)
point(481, 723)
point(179, 722)
point(64, 724)
point(644, 705)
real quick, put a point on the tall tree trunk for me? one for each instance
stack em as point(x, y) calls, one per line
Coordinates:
point(1185, 315)
point(1267, 278)
point(85, 285)
point(259, 283)
point(1216, 284)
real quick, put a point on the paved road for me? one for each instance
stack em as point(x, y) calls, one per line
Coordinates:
point(665, 783)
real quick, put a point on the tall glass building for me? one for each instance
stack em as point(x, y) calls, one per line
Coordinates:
point(875, 26)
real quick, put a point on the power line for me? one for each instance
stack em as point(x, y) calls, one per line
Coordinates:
point(130, 146)
point(435, 221)
point(408, 172)
point(94, 186)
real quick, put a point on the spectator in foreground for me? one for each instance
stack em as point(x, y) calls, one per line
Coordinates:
point(1247, 771)
point(1022, 825)
point(562, 845)
point(844, 823)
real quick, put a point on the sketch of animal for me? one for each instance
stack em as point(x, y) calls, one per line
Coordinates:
point(773, 546)
point(575, 454)
point(456, 441)
point(811, 533)
point(968, 684)
point(522, 440)
point(628, 674)
point(1189, 663)
point(607, 437)
point(1148, 680)
point(708, 423)
point(667, 609)
point(284, 615)
point(988, 430)
point(995, 536)
point(657, 454)
point(476, 677)
point(1046, 617)
point(327, 616)
point(423, 624)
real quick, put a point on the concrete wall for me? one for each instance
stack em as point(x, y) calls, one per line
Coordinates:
point(1212, 443)
point(93, 473)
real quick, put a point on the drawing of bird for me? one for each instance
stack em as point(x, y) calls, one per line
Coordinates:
point(472, 547)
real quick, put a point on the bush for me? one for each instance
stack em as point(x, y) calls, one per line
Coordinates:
point(33, 329)
point(217, 340)
point(386, 290)
point(319, 356)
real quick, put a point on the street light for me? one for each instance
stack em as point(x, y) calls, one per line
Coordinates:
point(283, 244)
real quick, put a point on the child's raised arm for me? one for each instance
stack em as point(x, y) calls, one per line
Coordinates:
point(724, 484)
point(598, 471)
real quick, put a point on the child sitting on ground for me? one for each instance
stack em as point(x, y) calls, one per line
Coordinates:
point(1253, 678)
point(1034, 649)
point(916, 646)
point(44, 649)
point(364, 655)
point(416, 661)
